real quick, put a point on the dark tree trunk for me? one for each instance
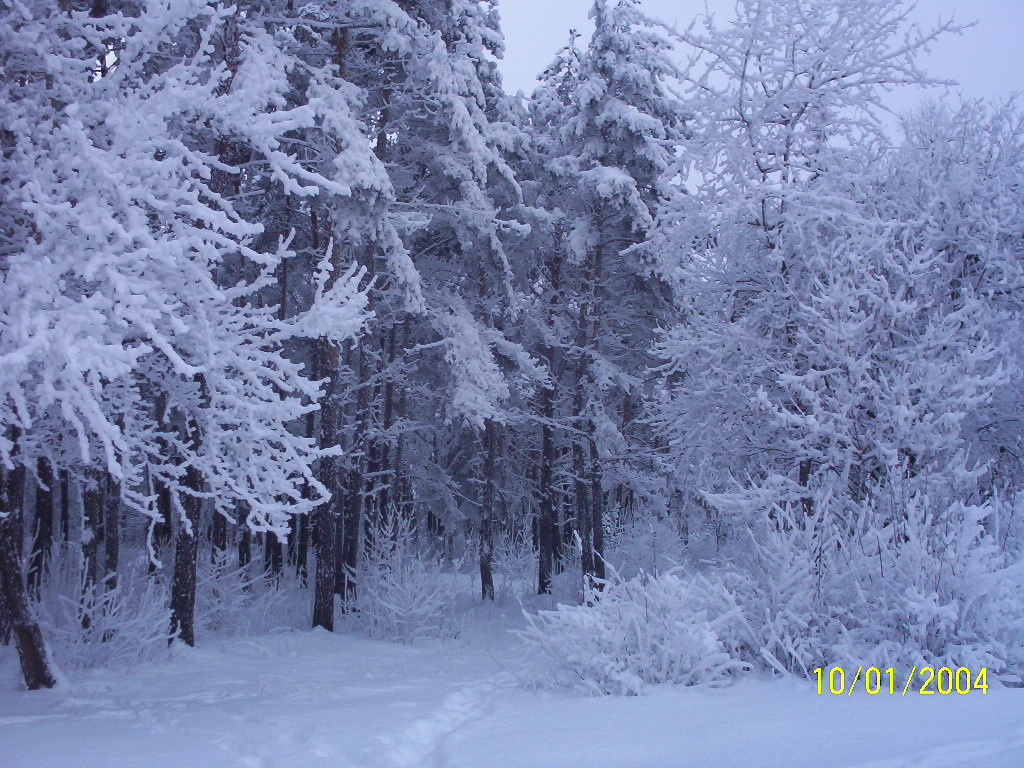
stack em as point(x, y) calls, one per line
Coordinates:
point(355, 498)
point(547, 519)
point(218, 537)
point(162, 528)
point(581, 486)
point(339, 534)
point(804, 478)
point(328, 358)
point(583, 478)
point(597, 510)
point(387, 477)
point(323, 546)
point(244, 543)
point(549, 549)
point(581, 496)
point(374, 515)
point(596, 541)
point(11, 503)
point(111, 530)
point(324, 515)
point(565, 541)
point(14, 603)
point(92, 524)
point(92, 534)
point(487, 511)
point(373, 510)
point(398, 476)
point(302, 548)
point(186, 550)
point(42, 539)
point(183, 587)
point(65, 507)
point(303, 523)
point(273, 556)
point(350, 544)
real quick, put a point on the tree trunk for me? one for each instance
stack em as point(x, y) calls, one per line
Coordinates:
point(304, 522)
point(42, 539)
point(582, 508)
point(804, 479)
point(547, 518)
point(323, 546)
point(111, 530)
point(273, 556)
point(350, 543)
point(341, 504)
point(92, 525)
point(324, 516)
point(301, 548)
point(14, 603)
point(398, 476)
point(11, 503)
point(162, 529)
point(581, 489)
point(597, 509)
point(548, 515)
point(244, 541)
point(186, 549)
point(487, 511)
point(65, 507)
point(218, 537)
point(329, 358)
point(92, 533)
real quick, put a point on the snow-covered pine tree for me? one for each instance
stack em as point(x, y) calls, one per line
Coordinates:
point(428, 368)
point(608, 124)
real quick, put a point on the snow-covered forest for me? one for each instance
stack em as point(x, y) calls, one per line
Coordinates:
point(695, 366)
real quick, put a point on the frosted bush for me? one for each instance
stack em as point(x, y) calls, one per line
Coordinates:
point(102, 626)
point(403, 593)
point(782, 597)
point(669, 628)
point(515, 564)
point(245, 601)
point(931, 589)
point(950, 596)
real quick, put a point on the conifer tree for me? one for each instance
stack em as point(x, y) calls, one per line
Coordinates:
point(609, 123)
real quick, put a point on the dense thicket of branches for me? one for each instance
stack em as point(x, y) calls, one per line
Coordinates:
point(289, 289)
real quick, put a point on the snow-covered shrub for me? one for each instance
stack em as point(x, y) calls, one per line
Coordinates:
point(781, 591)
point(403, 593)
point(949, 595)
point(102, 626)
point(515, 564)
point(931, 588)
point(244, 601)
point(670, 628)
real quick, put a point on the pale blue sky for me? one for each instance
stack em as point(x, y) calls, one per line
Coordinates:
point(987, 59)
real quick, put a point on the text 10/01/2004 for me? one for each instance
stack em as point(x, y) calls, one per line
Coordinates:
point(873, 680)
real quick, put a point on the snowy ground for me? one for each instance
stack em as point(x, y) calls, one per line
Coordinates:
point(310, 699)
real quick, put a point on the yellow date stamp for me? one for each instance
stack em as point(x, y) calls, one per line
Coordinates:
point(929, 680)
